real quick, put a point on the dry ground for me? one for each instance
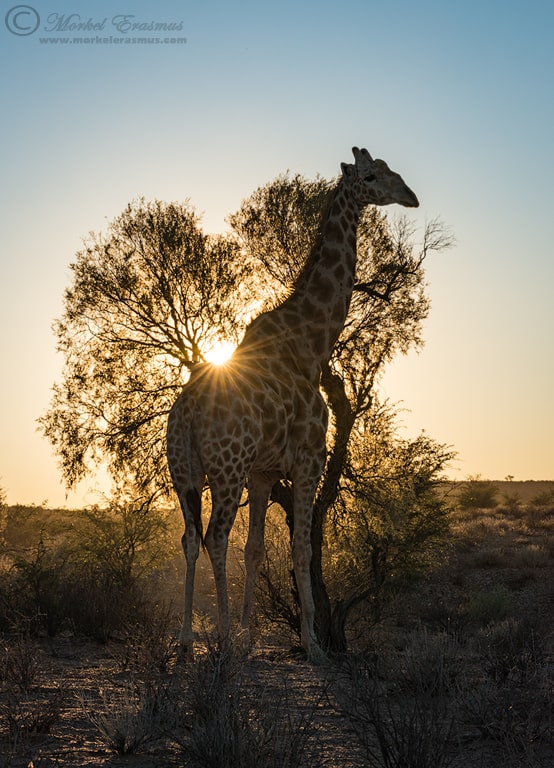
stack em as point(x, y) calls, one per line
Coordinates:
point(472, 644)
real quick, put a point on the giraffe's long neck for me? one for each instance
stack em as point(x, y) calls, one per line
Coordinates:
point(322, 293)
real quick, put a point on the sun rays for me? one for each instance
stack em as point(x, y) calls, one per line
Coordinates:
point(220, 352)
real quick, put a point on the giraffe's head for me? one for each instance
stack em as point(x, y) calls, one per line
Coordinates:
point(373, 183)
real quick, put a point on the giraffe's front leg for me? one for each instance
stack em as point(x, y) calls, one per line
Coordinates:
point(259, 488)
point(301, 558)
point(305, 478)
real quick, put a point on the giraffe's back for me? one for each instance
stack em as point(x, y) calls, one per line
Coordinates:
point(244, 420)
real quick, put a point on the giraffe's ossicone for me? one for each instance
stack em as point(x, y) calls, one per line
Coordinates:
point(261, 416)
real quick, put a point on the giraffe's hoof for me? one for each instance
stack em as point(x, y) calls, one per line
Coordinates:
point(186, 651)
point(242, 640)
point(316, 655)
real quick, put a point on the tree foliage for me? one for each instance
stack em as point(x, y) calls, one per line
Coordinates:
point(277, 224)
point(147, 300)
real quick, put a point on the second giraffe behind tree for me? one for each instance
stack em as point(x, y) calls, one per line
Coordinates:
point(261, 417)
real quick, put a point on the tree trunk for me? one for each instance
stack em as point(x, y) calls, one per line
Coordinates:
point(344, 418)
point(340, 615)
point(322, 603)
point(344, 607)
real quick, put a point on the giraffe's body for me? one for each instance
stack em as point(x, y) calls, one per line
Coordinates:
point(261, 416)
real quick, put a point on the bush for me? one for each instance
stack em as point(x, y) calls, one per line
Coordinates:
point(491, 605)
point(3, 517)
point(93, 577)
point(510, 649)
point(432, 663)
point(276, 593)
point(19, 664)
point(415, 731)
point(40, 581)
point(392, 525)
point(476, 493)
point(228, 729)
point(515, 711)
point(136, 715)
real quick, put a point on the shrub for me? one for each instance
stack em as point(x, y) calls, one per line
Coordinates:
point(41, 578)
point(531, 556)
point(127, 539)
point(276, 594)
point(390, 525)
point(431, 663)
point(512, 501)
point(151, 645)
point(93, 577)
point(510, 649)
point(515, 711)
point(544, 498)
point(228, 729)
point(476, 493)
point(137, 714)
point(491, 605)
point(19, 663)
point(23, 716)
point(3, 516)
point(414, 731)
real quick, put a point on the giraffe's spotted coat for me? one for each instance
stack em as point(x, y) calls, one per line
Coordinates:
point(261, 416)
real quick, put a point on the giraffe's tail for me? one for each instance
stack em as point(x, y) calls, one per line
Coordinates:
point(194, 501)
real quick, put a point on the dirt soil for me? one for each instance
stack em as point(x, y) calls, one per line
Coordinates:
point(62, 698)
point(83, 679)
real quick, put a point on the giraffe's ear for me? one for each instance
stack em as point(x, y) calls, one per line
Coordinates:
point(347, 169)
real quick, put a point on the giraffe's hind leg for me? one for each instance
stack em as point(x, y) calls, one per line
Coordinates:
point(225, 503)
point(190, 502)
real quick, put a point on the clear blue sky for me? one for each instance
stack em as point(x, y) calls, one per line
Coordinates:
point(457, 96)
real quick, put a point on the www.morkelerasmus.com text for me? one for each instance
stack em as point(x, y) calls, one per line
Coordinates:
point(111, 40)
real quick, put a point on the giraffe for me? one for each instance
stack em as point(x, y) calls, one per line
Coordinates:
point(261, 416)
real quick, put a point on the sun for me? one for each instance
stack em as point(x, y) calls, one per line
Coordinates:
point(220, 352)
